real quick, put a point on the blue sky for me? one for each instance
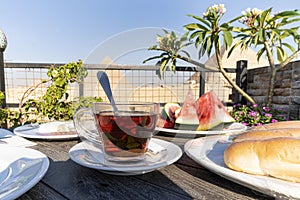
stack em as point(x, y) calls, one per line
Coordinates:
point(67, 30)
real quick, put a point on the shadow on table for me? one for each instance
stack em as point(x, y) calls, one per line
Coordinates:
point(77, 182)
point(196, 170)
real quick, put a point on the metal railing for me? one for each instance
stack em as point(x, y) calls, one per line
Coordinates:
point(129, 83)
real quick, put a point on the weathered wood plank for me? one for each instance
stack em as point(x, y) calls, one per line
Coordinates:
point(41, 191)
point(183, 180)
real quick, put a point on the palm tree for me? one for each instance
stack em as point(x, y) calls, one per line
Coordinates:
point(268, 31)
point(206, 35)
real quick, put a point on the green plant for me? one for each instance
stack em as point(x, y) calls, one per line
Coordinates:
point(7, 115)
point(55, 103)
point(3, 112)
point(171, 46)
point(269, 31)
point(257, 114)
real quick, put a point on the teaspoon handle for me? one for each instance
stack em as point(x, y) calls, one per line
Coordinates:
point(104, 81)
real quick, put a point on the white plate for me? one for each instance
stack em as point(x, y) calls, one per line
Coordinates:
point(48, 131)
point(208, 152)
point(4, 133)
point(86, 154)
point(20, 170)
point(232, 128)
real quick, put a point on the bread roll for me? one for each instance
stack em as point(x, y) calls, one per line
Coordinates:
point(278, 125)
point(276, 157)
point(266, 134)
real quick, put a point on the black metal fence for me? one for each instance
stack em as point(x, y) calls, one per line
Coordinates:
point(137, 83)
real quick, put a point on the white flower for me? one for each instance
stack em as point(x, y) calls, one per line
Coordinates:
point(215, 8)
point(221, 6)
point(159, 39)
point(248, 10)
point(256, 11)
point(222, 9)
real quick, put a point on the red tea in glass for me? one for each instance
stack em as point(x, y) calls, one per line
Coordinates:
point(126, 133)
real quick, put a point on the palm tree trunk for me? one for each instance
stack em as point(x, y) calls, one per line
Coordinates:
point(223, 72)
point(232, 83)
point(271, 87)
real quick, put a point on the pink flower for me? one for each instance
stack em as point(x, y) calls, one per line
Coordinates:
point(253, 113)
point(244, 123)
point(268, 115)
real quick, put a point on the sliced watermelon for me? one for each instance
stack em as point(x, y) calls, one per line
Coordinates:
point(168, 112)
point(167, 116)
point(163, 123)
point(211, 111)
point(187, 116)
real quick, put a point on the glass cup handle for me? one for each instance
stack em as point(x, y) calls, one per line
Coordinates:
point(85, 125)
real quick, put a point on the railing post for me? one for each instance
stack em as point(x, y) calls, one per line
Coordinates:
point(202, 83)
point(241, 80)
point(3, 44)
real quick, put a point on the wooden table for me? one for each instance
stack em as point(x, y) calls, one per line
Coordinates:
point(184, 179)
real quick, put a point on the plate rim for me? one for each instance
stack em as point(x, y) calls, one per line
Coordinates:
point(241, 178)
point(38, 175)
point(33, 135)
point(132, 170)
point(189, 132)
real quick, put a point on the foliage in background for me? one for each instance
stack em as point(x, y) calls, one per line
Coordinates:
point(3, 112)
point(6, 115)
point(206, 35)
point(55, 103)
point(171, 47)
point(269, 31)
point(257, 114)
point(263, 28)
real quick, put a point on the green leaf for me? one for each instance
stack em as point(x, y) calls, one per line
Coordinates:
point(235, 19)
point(195, 26)
point(199, 19)
point(186, 53)
point(233, 47)
point(286, 14)
point(227, 39)
point(209, 45)
point(185, 45)
point(261, 36)
point(281, 54)
point(263, 17)
point(184, 37)
point(255, 40)
point(260, 53)
point(291, 48)
point(152, 58)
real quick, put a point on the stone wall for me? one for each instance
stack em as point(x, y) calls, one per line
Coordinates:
point(287, 87)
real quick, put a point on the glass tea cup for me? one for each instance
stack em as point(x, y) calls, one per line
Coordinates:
point(124, 133)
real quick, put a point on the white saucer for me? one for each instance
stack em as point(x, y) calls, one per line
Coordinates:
point(88, 155)
point(20, 170)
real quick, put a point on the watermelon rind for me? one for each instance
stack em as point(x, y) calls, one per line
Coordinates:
point(187, 116)
point(190, 124)
point(212, 113)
